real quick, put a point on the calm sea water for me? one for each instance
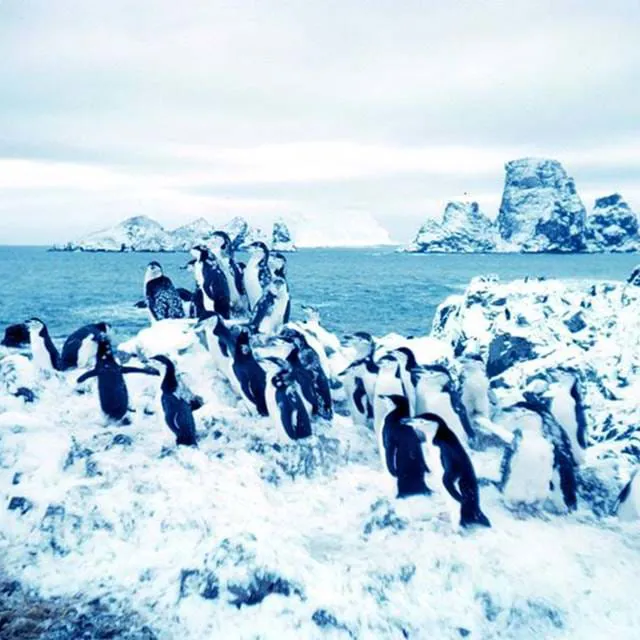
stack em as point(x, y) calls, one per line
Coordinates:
point(375, 290)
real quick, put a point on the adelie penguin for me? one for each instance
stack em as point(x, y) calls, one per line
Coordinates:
point(250, 375)
point(112, 389)
point(272, 308)
point(257, 274)
point(211, 281)
point(222, 249)
point(46, 357)
point(451, 471)
point(81, 347)
point(284, 404)
point(162, 298)
point(178, 404)
point(403, 451)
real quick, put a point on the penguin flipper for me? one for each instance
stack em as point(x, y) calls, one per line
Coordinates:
point(359, 395)
point(141, 304)
point(85, 376)
point(150, 371)
point(448, 480)
point(185, 294)
point(262, 309)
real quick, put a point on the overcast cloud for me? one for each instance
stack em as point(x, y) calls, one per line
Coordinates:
point(177, 109)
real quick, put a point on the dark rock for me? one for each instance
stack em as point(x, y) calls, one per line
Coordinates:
point(17, 476)
point(20, 503)
point(26, 394)
point(261, 586)
point(122, 439)
point(189, 582)
point(506, 350)
point(16, 336)
point(576, 322)
point(383, 517)
point(464, 633)
point(211, 588)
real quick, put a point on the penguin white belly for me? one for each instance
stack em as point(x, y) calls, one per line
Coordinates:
point(434, 481)
point(629, 509)
point(530, 471)
point(272, 323)
point(198, 274)
point(387, 384)
point(234, 296)
point(87, 353)
point(41, 357)
point(563, 409)
point(252, 283)
point(475, 394)
point(273, 409)
point(409, 391)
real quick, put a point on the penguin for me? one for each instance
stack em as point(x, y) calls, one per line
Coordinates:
point(307, 370)
point(278, 266)
point(526, 468)
point(360, 377)
point(250, 375)
point(16, 336)
point(163, 299)
point(45, 354)
point(112, 389)
point(222, 249)
point(387, 384)
point(327, 344)
point(284, 404)
point(628, 507)
point(257, 274)
point(211, 281)
point(407, 363)
point(451, 470)
point(221, 344)
point(437, 393)
point(178, 404)
point(403, 451)
point(564, 481)
point(567, 407)
point(81, 347)
point(272, 308)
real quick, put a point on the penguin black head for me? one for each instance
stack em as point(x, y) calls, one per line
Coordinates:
point(399, 402)
point(35, 325)
point(258, 248)
point(154, 270)
point(103, 327)
point(162, 359)
point(221, 240)
point(425, 423)
point(200, 253)
point(405, 357)
point(279, 264)
point(278, 286)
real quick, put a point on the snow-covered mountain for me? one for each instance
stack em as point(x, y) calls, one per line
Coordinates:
point(540, 211)
point(281, 239)
point(139, 233)
point(196, 232)
point(612, 225)
point(463, 229)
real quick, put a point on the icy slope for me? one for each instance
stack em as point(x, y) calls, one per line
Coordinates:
point(252, 536)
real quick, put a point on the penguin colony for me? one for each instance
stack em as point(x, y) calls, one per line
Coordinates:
point(429, 423)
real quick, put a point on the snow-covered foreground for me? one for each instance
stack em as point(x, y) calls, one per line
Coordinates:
point(254, 536)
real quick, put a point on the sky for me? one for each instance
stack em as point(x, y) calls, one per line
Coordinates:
point(180, 109)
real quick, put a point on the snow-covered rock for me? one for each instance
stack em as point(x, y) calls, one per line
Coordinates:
point(139, 233)
point(612, 226)
point(463, 229)
point(251, 535)
point(197, 232)
point(540, 209)
point(242, 234)
point(281, 239)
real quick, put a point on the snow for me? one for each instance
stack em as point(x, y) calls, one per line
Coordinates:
point(180, 535)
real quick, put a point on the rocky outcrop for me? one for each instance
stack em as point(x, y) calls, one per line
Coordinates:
point(188, 235)
point(281, 239)
point(463, 229)
point(612, 226)
point(541, 210)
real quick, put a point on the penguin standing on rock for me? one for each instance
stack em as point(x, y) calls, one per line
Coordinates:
point(178, 404)
point(257, 274)
point(359, 378)
point(163, 299)
point(278, 266)
point(403, 451)
point(272, 308)
point(249, 373)
point(222, 249)
point(285, 406)
point(46, 357)
point(112, 389)
point(407, 361)
point(81, 347)
point(211, 281)
point(451, 470)
point(308, 370)
point(387, 384)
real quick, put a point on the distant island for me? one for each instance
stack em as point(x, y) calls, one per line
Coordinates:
point(541, 212)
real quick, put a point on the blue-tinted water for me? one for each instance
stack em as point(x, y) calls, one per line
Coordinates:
point(376, 290)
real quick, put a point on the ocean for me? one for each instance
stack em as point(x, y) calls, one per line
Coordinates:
point(373, 289)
